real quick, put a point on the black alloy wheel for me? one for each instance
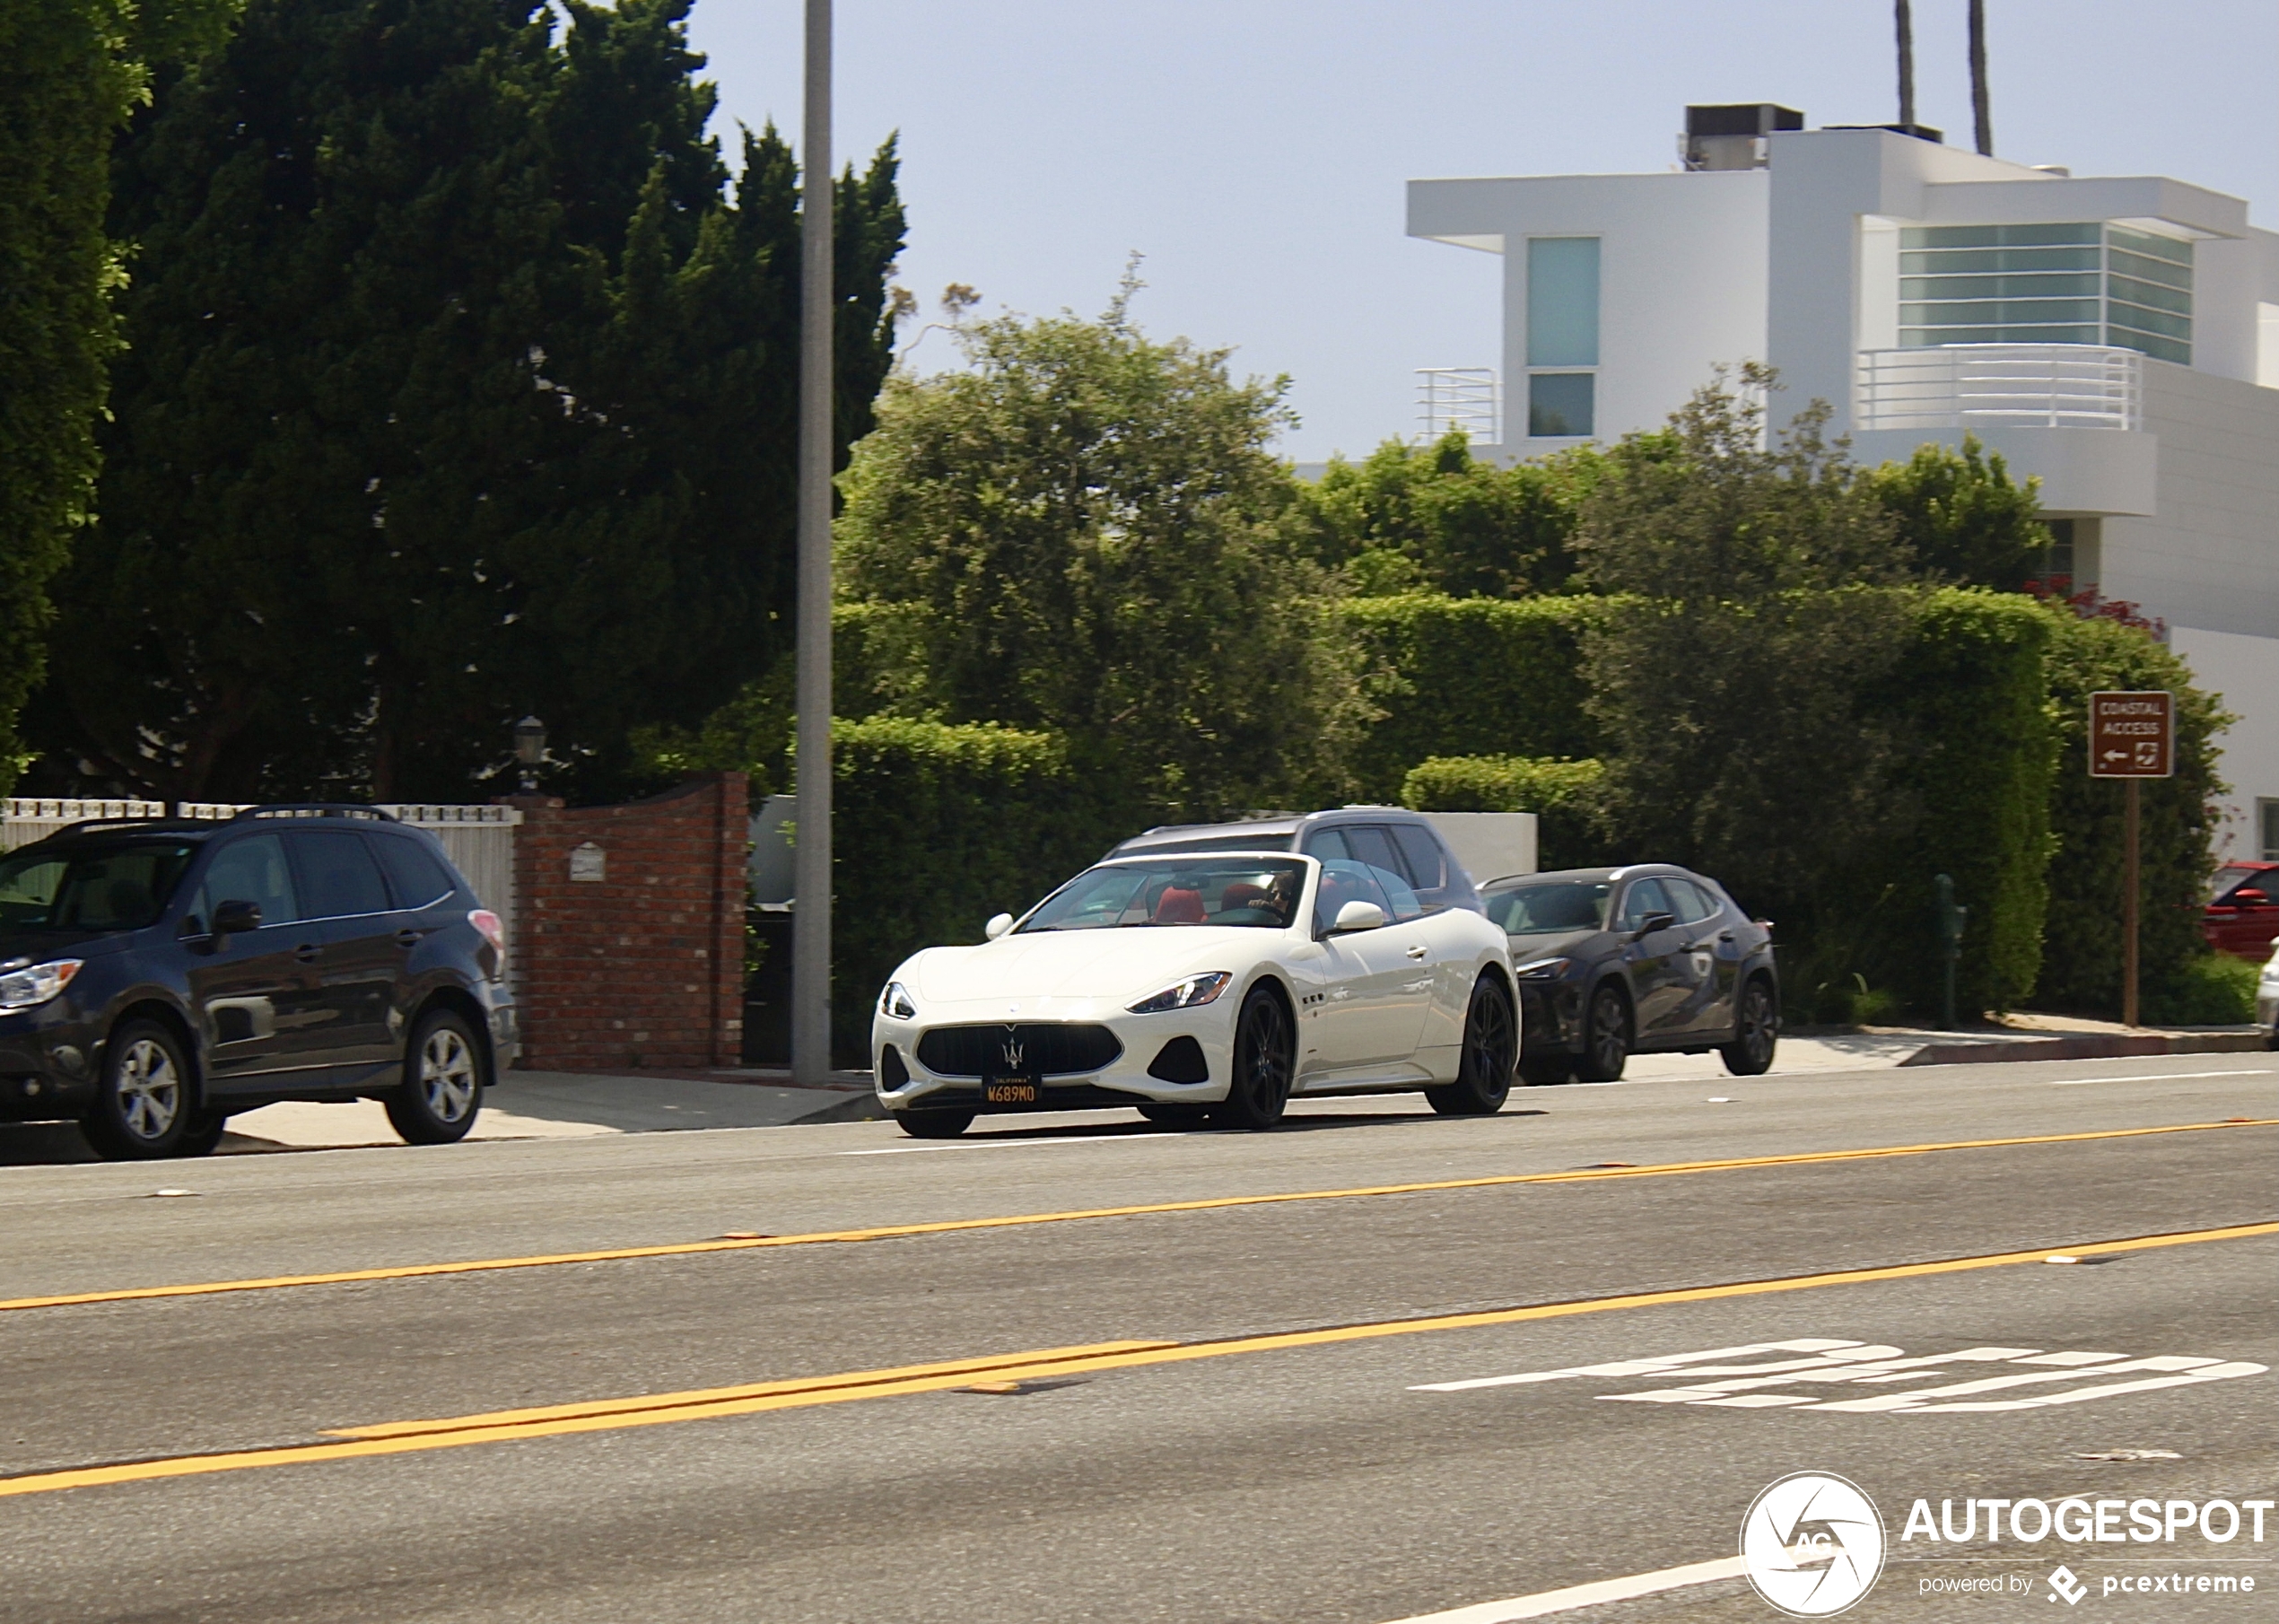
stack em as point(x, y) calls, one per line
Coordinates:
point(1491, 1043)
point(1265, 1059)
point(1176, 1116)
point(143, 1099)
point(1606, 1035)
point(1755, 1032)
point(441, 1091)
point(933, 1124)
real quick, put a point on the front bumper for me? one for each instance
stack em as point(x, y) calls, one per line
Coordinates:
point(1551, 1018)
point(47, 1065)
point(1122, 1081)
point(2267, 1016)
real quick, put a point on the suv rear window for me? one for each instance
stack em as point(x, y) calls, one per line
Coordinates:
point(412, 873)
point(90, 888)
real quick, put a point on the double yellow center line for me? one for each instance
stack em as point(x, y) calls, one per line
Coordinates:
point(610, 1414)
point(413, 1271)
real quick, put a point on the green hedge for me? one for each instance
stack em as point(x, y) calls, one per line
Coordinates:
point(1468, 676)
point(1970, 700)
point(2081, 956)
point(935, 829)
point(1562, 794)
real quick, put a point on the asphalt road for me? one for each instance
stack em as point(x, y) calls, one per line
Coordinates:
point(1206, 1408)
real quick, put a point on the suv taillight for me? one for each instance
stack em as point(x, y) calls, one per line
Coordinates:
point(494, 930)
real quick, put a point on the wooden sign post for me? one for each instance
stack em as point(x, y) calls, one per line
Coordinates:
point(2132, 737)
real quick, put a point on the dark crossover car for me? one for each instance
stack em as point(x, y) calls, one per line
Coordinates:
point(1617, 962)
point(1403, 843)
point(158, 976)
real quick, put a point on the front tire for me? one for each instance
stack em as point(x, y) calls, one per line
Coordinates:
point(1265, 1060)
point(441, 1091)
point(1756, 1033)
point(1491, 1044)
point(142, 1098)
point(933, 1124)
point(1606, 1036)
point(204, 1134)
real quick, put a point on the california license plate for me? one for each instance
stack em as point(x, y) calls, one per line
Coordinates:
point(1010, 1091)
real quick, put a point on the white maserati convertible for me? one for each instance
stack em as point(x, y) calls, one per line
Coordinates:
point(1204, 985)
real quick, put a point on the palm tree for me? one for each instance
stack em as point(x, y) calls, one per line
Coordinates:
point(1981, 114)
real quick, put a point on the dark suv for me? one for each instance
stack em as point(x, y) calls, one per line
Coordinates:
point(156, 976)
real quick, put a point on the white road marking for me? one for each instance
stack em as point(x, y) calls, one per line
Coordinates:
point(2158, 1077)
point(1549, 1602)
point(1829, 1362)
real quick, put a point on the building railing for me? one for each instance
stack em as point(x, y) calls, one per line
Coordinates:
point(1459, 398)
point(1962, 386)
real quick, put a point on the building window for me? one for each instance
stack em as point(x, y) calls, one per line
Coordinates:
point(1562, 302)
point(2268, 829)
point(2086, 283)
point(1559, 405)
point(2057, 571)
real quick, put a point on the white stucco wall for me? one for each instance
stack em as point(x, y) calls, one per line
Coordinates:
point(1681, 278)
point(2209, 557)
point(2245, 670)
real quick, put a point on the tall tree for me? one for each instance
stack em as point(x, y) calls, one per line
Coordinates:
point(1085, 531)
point(459, 387)
point(1961, 516)
point(1756, 609)
point(70, 71)
point(1438, 517)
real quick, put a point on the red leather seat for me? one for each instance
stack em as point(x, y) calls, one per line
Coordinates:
point(1179, 906)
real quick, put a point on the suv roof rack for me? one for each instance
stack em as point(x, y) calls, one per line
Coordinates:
point(315, 809)
point(118, 823)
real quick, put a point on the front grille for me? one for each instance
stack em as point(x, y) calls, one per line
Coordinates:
point(1040, 1049)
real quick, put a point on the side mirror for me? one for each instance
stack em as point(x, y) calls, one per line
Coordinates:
point(232, 918)
point(998, 926)
point(2248, 896)
point(1651, 923)
point(1357, 915)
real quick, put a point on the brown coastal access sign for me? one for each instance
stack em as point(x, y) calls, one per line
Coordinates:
point(2132, 735)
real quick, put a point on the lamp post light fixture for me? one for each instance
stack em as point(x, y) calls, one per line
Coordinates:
point(530, 750)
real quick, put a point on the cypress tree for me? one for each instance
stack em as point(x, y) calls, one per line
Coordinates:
point(459, 387)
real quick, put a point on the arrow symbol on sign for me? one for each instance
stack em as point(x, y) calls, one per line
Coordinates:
point(2115, 755)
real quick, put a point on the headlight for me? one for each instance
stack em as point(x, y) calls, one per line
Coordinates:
point(1189, 994)
point(30, 988)
point(896, 1001)
point(1544, 969)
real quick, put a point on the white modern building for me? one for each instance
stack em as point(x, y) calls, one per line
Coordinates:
point(2118, 336)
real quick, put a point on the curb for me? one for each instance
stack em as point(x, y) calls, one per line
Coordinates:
point(862, 1108)
point(2090, 1048)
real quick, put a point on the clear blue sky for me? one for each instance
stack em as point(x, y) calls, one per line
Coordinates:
point(1255, 150)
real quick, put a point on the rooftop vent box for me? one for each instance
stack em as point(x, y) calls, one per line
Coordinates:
point(1733, 137)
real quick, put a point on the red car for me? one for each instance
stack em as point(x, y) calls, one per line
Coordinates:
point(2244, 917)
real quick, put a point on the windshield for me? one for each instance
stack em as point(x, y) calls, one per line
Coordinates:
point(2231, 877)
point(1257, 892)
point(1568, 904)
point(88, 887)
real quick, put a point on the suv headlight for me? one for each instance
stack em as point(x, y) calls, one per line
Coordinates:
point(896, 1001)
point(1189, 994)
point(30, 988)
point(1543, 969)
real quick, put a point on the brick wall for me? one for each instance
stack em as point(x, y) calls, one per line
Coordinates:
point(645, 966)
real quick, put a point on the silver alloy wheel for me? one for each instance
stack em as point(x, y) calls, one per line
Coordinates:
point(447, 1075)
point(149, 1089)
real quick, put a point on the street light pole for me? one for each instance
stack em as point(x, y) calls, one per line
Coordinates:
point(811, 856)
